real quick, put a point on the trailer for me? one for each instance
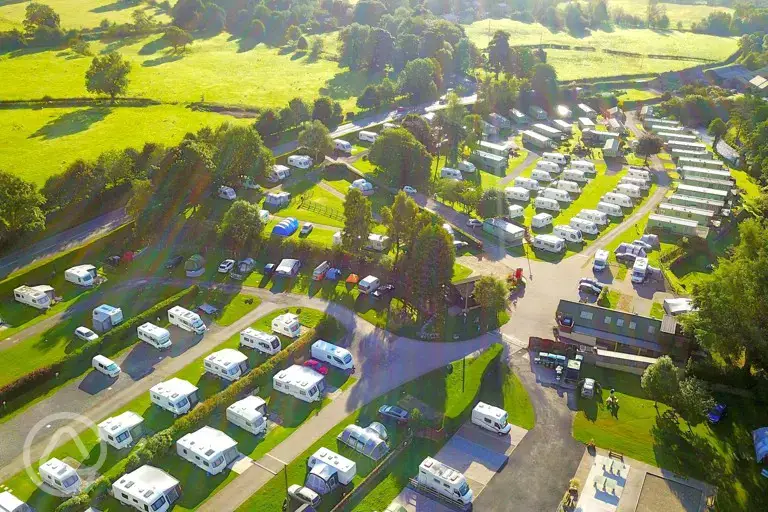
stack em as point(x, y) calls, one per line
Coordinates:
point(499, 121)
point(700, 163)
point(287, 324)
point(563, 112)
point(39, 297)
point(586, 111)
point(488, 161)
point(675, 226)
point(176, 396)
point(596, 216)
point(557, 194)
point(707, 193)
point(228, 364)
point(518, 117)
point(563, 126)
point(617, 198)
point(517, 194)
point(60, 476)
point(82, 275)
point(267, 344)
point(250, 414)
point(684, 144)
point(586, 123)
point(537, 140)
point(10, 503)
point(714, 183)
point(510, 234)
point(575, 175)
point(640, 183)
point(147, 488)
point(630, 190)
point(568, 233)
point(300, 161)
point(122, 431)
point(548, 131)
point(687, 171)
point(495, 149)
point(209, 449)
point(677, 153)
point(701, 216)
point(546, 203)
point(334, 355)
point(300, 382)
point(154, 336)
point(713, 205)
point(585, 166)
point(526, 183)
point(658, 128)
point(584, 225)
point(549, 243)
point(675, 136)
point(651, 121)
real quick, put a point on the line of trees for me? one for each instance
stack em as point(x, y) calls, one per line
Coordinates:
point(746, 19)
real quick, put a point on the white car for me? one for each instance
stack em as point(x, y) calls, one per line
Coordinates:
point(86, 334)
point(304, 495)
point(474, 223)
point(409, 190)
point(226, 266)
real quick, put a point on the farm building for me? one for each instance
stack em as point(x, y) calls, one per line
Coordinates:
point(537, 140)
point(499, 121)
point(585, 110)
point(651, 121)
point(714, 183)
point(563, 112)
point(697, 202)
point(563, 126)
point(511, 234)
point(495, 149)
point(616, 126)
point(537, 113)
point(586, 123)
point(686, 212)
point(689, 153)
point(488, 161)
point(616, 113)
point(675, 226)
point(518, 117)
point(683, 137)
point(704, 172)
point(708, 193)
point(682, 144)
point(704, 163)
point(611, 148)
point(547, 131)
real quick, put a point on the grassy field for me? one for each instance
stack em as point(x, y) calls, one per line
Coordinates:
point(576, 65)
point(635, 95)
point(684, 13)
point(81, 14)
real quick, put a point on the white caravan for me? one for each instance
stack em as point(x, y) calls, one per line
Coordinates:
point(250, 414)
point(121, 431)
point(228, 364)
point(367, 136)
point(517, 194)
point(209, 449)
point(334, 355)
point(618, 199)
point(467, 166)
point(541, 175)
point(638, 182)
point(584, 166)
point(342, 145)
point(328, 470)
point(610, 209)
point(575, 175)
point(10, 503)
point(61, 476)
point(278, 173)
point(300, 161)
point(106, 366)
point(584, 225)
point(491, 418)
point(639, 270)
point(527, 183)
point(451, 174)
point(260, 341)
point(39, 297)
point(558, 158)
point(601, 260)
point(596, 216)
point(634, 172)
point(154, 335)
point(83, 275)
point(550, 167)
point(363, 185)
point(227, 193)
point(147, 488)
point(541, 220)
point(514, 211)
point(629, 190)
point(369, 285)
point(445, 481)
point(176, 396)
point(186, 319)
point(568, 233)
point(300, 382)
point(549, 243)
point(545, 203)
point(556, 194)
point(287, 324)
point(568, 186)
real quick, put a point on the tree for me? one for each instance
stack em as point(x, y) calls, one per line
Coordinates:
point(382, 49)
point(387, 91)
point(81, 181)
point(693, 401)
point(327, 111)
point(369, 98)
point(660, 381)
point(491, 295)
point(117, 166)
point(268, 123)
point(186, 13)
point(717, 129)
point(401, 157)
point(302, 44)
point(428, 267)
point(544, 83)
point(178, 38)
point(316, 48)
point(492, 203)
point(214, 19)
point(300, 111)
point(649, 144)
point(241, 225)
point(474, 131)
point(20, 206)
point(142, 22)
point(316, 137)
point(108, 75)
point(40, 15)
point(240, 153)
point(420, 129)
point(141, 195)
point(462, 56)
point(399, 221)
point(417, 80)
point(368, 12)
point(357, 221)
point(451, 120)
point(292, 34)
point(498, 52)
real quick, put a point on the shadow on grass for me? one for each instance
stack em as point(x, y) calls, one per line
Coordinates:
point(348, 84)
point(168, 56)
point(118, 5)
point(154, 46)
point(71, 123)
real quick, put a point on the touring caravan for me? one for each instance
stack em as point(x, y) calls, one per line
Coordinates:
point(558, 158)
point(610, 209)
point(121, 431)
point(545, 203)
point(556, 194)
point(541, 220)
point(563, 126)
point(154, 335)
point(288, 268)
point(105, 365)
point(549, 243)
point(596, 216)
point(209, 449)
point(39, 297)
point(575, 175)
point(644, 185)
point(328, 470)
point(618, 199)
point(287, 324)
point(585, 166)
point(586, 123)
point(278, 173)
point(227, 193)
point(334, 355)
point(548, 131)
point(300, 382)
point(445, 481)
point(106, 317)
point(176, 396)
point(318, 274)
point(584, 225)
point(451, 174)
point(368, 285)
point(61, 476)
point(515, 211)
point(526, 183)
point(228, 364)
point(541, 175)
point(260, 341)
point(586, 110)
point(635, 172)
point(491, 418)
point(568, 233)
point(568, 186)
point(629, 190)
point(377, 242)
point(364, 186)
point(250, 414)
point(147, 488)
point(467, 166)
point(186, 319)
point(517, 194)
point(300, 161)
point(83, 275)
point(342, 145)
point(550, 167)
point(10, 503)
point(367, 136)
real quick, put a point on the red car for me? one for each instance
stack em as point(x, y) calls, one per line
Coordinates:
point(317, 366)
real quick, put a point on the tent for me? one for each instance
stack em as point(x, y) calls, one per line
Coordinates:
point(195, 266)
point(353, 279)
point(367, 441)
point(333, 274)
point(760, 439)
point(286, 227)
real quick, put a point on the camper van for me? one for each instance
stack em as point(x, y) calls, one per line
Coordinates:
point(556, 194)
point(147, 488)
point(278, 173)
point(467, 166)
point(546, 203)
point(39, 297)
point(568, 233)
point(227, 193)
point(451, 174)
point(61, 476)
point(367, 136)
point(541, 220)
point(639, 270)
point(517, 194)
point(491, 418)
point(635, 172)
point(300, 382)
point(584, 166)
point(638, 182)
point(610, 209)
point(549, 243)
point(261, 341)
point(618, 199)
point(319, 273)
point(105, 365)
point(541, 175)
point(250, 414)
point(333, 355)
point(568, 186)
point(328, 470)
point(445, 481)
point(287, 324)
point(10, 503)
point(601, 260)
point(558, 158)
point(228, 364)
point(186, 319)
point(584, 225)
point(300, 161)
point(629, 190)
point(596, 216)
point(527, 183)
point(550, 167)
point(209, 449)
point(575, 175)
point(342, 145)
point(83, 275)
point(369, 284)
point(176, 396)
point(154, 335)
point(121, 431)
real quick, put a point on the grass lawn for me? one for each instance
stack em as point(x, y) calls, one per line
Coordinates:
point(610, 299)
point(657, 310)
point(635, 95)
point(576, 65)
point(81, 14)
point(239, 306)
point(685, 13)
point(720, 454)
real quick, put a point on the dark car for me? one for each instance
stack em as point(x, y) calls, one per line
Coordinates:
point(395, 413)
point(269, 269)
point(716, 413)
point(383, 290)
point(589, 288)
point(593, 282)
point(174, 262)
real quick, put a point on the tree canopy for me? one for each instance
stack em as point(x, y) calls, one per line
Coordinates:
point(357, 221)
point(316, 137)
point(108, 74)
point(20, 207)
point(403, 159)
point(241, 225)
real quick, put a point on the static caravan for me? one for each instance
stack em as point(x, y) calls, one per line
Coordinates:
point(546, 203)
point(598, 136)
point(328, 470)
point(708, 193)
point(300, 382)
point(675, 226)
point(370, 441)
point(364, 186)
point(518, 117)
point(495, 149)
point(611, 148)
point(651, 121)
point(557, 158)
point(703, 172)
point(515, 211)
point(342, 145)
point(526, 183)
point(154, 335)
point(379, 243)
point(444, 480)
point(250, 414)
point(585, 110)
point(260, 341)
point(618, 199)
point(716, 184)
point(227, 193)
point(574, 175)
point(147, 488)
point(610, 209)
point(548, 131)
point(616, 126)
point(701, 163)
point(39, 297)
point(517, 194)
point(509, 233)
point(629, 190)
point(596, 216)
point(550, 167)
point(568, 233)
point(369, 284)
point(300, 161)
point(670, 136)
point(487, 128)
point(584, 225)
point(106, 317)
point(689, 153)
point(367, 136)
point(451, 174)
point(209, 449)
point(287, 324)
point(491, 418)
point(10, 503)
point(563, 112)
point(186, 319)
point(692, 146)
point(697, 202)
point(499, 121)
point(661, 128)
point(541, 220)
point(541, 175)
point(537, 113)
point(467, 166)
point(563, 126)
point(488, 161)
point(585, 166)
point(61, 476)
point(176, 396)
point(278, 173)
point(556, 194)
point(636, 172)
point(642, 184)
point(122, 431)
point(586, 123)
point(568, 186)
point(228, 364)
point(332, 354)
point(700, 215)
point(537, 140)
point(288, 267)
point(83, 275)
point(549, 243)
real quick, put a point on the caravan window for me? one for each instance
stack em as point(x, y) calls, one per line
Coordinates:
point(487, 420)
point(217, 462)
point(182, 402)
point(275, 343)
point(233, 370)
point(122, 437)
point(347, 359)
point(158, 503)
point(313, 391)
point(71, 480)
point(337, 360)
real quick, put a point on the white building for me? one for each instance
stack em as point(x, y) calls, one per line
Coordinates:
point(39, 297)
point(61, 476)
point(328, 470)
point(83, 275)
point(228, 364)
point(209, 449)
point(147, 489)
point(300, 382)
point(10, 503)
point(287, 324)
point(378, 242)
point(250, 414)
point(176, 395)
point(122, 430)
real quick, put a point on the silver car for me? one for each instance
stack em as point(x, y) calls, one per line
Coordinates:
point(304, 495)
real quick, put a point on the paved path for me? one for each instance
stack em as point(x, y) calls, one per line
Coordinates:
point(529, 159)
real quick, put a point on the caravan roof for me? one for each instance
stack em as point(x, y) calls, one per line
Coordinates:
point(145, 484)
point(227, 357)
point(249, 408)
point(437, 468)
point(207, 443)
point(299, 376)
point(121, 422)
point(330, 348)
point(173, 388)
point(10, 503)
point(334, 460)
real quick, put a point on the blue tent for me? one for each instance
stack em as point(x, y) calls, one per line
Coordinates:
point(760, 438)
point(286, 227)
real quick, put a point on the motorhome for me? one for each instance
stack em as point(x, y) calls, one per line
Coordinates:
point(444, 480)
point(629, 190)
point(618, 199)
point(10, 503)
point(228, 364)
point(467, 166)
point(451, 174)
point(342, 145)
point(154, 335)
point(287, 324)
point(300, 382)
point(105, 365)
point(568, 186)
point(584, 225)
point(545, 203)
point(639, 270)
point(517, 194)
point(568, 233)
point(364, 186)
point(300, 161)
point(328, 470)
point(575, 175)
point(601, 260)
point(227, 193)
point(260, 341)
point(558, 158)
point(278, 173)
point(537, 140)
point(367, 136)
point(369, 284)
point(209, 449)
point(250, 414)
point(332, 354)
point(526, 183)
point(596, 216)
point(176, 396)
point(39, 297)
point(186, 319)
point(541, 175)
point(549, 243)
point(491, 418)
point(548, 131)
point(550, 167)
point(635, 172)
point(106, 317)
point(377, 242)
point(640, 183)
point(541, 220)
point(122, 431)
point(318, 274)
point(556, 194)
point(288, 267)
point(83, 275)
point(584, 166)
point(61, 476)
point(147, 488)
point(610, 209)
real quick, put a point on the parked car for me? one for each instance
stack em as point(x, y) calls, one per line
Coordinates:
point(174, 262)
point(226, 266)
point(645, 245)
point(317, 366)
point(86, 334)
point(475, 223)
point(717, 413)
point(304, 495)
point(459, 244)
point(592, 281)
point(409, 190)
point(395, 413)
point(590, 289)
point(307, 228)
point(269, 269)
point(383, 290)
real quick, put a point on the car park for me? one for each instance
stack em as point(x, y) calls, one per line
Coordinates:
point(86, 334)
point(317, 366)
point(383, 290)
point(307, 228)
point(226, 266)
point(304, 495)
point(475, 223)
point(717, 413)
point(409, 190)
point(394, 412)
point(174, 262)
